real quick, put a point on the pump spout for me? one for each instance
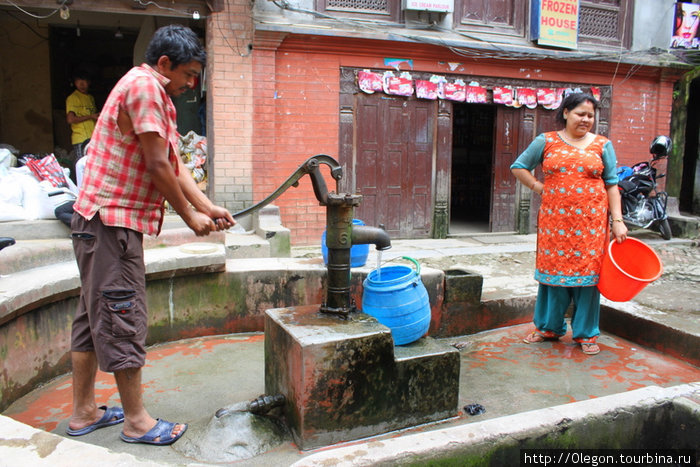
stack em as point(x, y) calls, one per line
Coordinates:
point(362, 234)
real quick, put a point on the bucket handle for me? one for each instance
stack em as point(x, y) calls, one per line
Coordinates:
point(414, 262)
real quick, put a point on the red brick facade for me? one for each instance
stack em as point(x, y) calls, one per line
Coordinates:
point(278, 105)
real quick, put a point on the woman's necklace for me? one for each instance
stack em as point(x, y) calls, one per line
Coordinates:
point(566, 137)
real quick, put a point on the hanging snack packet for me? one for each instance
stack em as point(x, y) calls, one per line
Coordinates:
point(503, 95)
point(398, 86)
point(369, 81)
point(527, 97)
point(426, 89)
point(476, 94)
point(456, 91)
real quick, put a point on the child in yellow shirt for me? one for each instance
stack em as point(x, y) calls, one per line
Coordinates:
point(81, 113)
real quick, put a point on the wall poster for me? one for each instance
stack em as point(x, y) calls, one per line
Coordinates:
point(685, 26)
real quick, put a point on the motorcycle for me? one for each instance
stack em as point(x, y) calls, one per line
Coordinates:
point(643, 206)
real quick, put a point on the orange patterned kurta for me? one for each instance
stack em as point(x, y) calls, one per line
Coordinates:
point(572, 229)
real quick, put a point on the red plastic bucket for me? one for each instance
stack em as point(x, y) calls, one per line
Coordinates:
point(627, 268)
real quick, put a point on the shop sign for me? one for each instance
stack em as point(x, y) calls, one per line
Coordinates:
point(443, 6)
point(555, 23)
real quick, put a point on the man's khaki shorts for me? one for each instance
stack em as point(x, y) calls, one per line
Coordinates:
point(111, 318)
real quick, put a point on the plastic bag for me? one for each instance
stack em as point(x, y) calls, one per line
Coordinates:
point(22, 198)
point(193, 152)
point(623, 172)
point(47, 168)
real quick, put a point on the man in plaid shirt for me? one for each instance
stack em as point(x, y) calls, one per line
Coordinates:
point(133, 166)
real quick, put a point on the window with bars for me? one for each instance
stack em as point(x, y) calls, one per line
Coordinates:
point(605, 22)
point(387, 10)
point(598, 23)
point(502, 17)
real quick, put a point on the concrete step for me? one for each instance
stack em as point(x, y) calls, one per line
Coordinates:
point(30, 254)
point(40, 229)
point(43, 242)
point(684, 225)
point(27, 289)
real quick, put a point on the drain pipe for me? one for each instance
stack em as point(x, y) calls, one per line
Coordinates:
point(258, 406)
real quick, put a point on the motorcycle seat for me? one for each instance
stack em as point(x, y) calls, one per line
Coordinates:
point(6, 241)
point(627, 186)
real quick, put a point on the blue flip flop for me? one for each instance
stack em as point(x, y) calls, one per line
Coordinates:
point(112, 416)
point(162, 430)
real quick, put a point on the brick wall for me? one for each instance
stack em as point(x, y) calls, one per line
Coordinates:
point(641, 111)
point(296, 118)
point(230, 104)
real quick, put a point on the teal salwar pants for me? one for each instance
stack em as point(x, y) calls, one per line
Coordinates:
point(552, 303)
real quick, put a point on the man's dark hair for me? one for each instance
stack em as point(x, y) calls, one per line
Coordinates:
point(572, 101)
point(179, 43)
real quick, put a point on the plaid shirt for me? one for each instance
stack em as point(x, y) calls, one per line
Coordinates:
point(115, 181)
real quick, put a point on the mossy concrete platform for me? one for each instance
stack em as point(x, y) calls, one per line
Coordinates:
point(344, 379)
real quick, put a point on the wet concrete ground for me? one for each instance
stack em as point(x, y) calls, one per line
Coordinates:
point(189, 380)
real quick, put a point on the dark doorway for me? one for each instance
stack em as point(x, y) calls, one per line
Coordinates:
point(105, 54)
point(472, 168)
point(689, 200)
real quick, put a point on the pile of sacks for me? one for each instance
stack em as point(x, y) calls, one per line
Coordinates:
point(42, 189)
point(193, 151)
point(37, 190)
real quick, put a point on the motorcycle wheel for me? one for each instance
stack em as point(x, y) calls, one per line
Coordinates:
point(665, 229)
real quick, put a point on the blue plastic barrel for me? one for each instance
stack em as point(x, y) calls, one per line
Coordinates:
point(396, 296)
point(358, 253)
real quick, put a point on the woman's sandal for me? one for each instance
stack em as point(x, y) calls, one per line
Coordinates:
point(590, 348)
point(535, 337)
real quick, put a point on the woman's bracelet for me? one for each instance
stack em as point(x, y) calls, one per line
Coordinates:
point(618, 220)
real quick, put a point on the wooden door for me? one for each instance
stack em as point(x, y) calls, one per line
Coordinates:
point(506, 150)
point(393, 166)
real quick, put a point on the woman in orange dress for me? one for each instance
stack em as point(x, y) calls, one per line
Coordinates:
point(579, 194)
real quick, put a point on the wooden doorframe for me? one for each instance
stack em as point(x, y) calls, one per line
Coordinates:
point(443, 170)
point(346, 130)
